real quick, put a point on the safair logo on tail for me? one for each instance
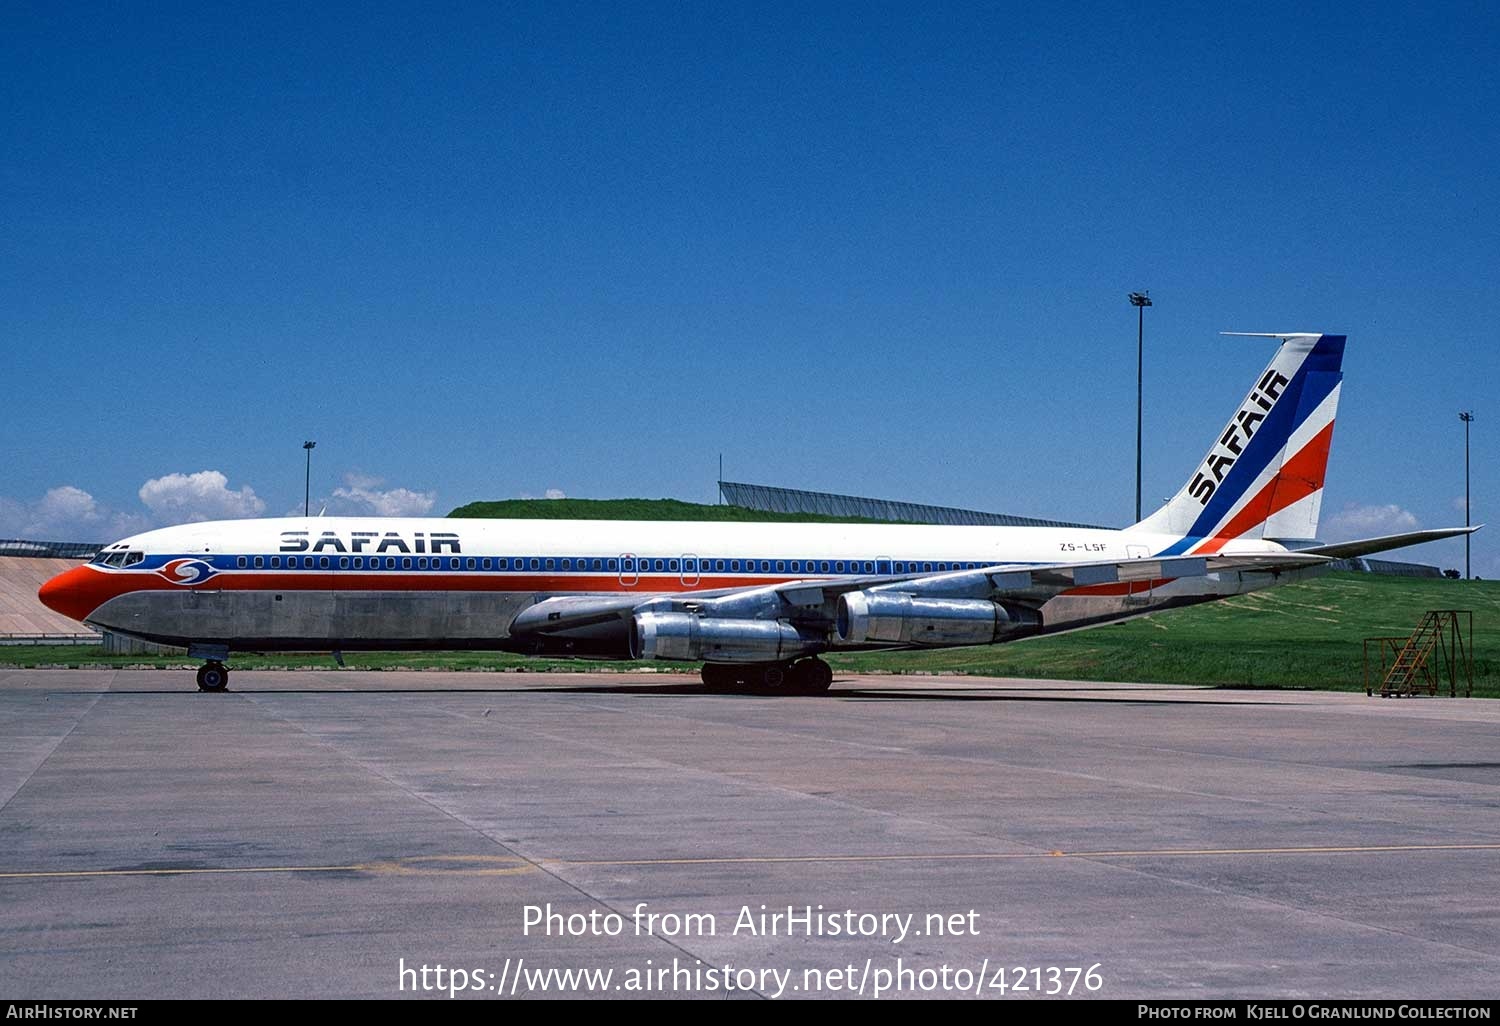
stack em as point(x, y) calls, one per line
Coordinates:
point(1263, 476)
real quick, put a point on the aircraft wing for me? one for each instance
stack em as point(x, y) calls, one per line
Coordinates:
point(1370, 546)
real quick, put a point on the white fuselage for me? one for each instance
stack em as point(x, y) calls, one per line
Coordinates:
point(375, 582)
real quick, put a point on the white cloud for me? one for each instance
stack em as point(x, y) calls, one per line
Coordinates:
point(66, 513)
point(362, 496)
point(1356, 521)
point(550, 493)
point(189, 498)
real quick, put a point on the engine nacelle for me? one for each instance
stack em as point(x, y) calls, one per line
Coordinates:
point(897, 618)
point(717, 639)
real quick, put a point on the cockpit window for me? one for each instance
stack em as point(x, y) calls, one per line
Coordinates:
point(119, 557)
point(132, 558)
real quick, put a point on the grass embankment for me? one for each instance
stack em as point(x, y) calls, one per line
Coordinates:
point(1302, 635)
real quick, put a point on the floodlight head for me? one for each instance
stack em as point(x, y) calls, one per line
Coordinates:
point(1140, 298)
point(309, 445)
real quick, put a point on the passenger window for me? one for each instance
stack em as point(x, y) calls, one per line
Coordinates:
point(323, 562)
point(718, 564)
point(452, 562)
point(690, 566)
point(343, 562)
point(869, 568)
point(927, 568)
point(406, 562)
point(567, 564)
point(359, 562)
point(613, 564)
point(422, 563)
point(598, 564)
point(658, 565)
point(734, 566)
point(536, 564)
point(823, 566)
point(242, 562)
point(838, 567)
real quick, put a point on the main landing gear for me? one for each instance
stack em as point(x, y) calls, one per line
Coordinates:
point(804, 677)
point(213, 676)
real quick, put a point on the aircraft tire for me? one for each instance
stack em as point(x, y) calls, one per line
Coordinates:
point(774, 678)
point(213, 677)
point(719, 677)
point(812, 677)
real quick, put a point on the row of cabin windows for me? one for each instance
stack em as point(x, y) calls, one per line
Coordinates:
point(629, 565)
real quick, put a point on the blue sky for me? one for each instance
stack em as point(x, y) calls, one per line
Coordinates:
point(480, 251)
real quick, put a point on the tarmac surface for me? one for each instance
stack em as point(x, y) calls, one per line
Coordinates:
point(309, 834)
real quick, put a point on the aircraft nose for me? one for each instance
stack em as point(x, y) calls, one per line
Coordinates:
point(69, 594)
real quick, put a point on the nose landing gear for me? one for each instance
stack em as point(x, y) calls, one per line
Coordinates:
point(213, 676)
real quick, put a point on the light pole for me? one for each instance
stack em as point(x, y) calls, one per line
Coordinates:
point(1468, 418)
point(1139, 300)
point(307, 485)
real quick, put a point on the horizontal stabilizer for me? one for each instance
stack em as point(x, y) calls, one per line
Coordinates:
point(1369, 546)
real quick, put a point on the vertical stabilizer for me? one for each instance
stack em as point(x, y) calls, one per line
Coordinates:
point(1263, 475)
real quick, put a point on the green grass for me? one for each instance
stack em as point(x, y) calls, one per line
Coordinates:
point(638, 509)
point(1302, 635)
point(93, 657)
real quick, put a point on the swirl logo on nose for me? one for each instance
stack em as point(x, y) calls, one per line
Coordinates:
point(187, 571)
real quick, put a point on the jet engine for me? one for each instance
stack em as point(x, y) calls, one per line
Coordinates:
point(894, 617)
point(717, 639)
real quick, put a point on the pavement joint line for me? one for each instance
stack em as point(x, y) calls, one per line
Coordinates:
point(1002, 856)
point(422, 865)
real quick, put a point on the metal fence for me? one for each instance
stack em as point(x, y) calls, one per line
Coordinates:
point(49, 549)
point(1388, 567)
point(792, 500)
point(86, 638)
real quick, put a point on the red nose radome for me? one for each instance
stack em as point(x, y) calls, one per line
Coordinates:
point(72, 593)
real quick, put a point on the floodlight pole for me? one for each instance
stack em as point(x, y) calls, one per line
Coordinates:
point(1468, 418)
point(1139, 300)
point(307, 484)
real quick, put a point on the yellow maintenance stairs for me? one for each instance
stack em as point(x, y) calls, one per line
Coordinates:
point(1417, 665)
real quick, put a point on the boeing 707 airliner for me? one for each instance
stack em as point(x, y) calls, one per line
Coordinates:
point(757, 604)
